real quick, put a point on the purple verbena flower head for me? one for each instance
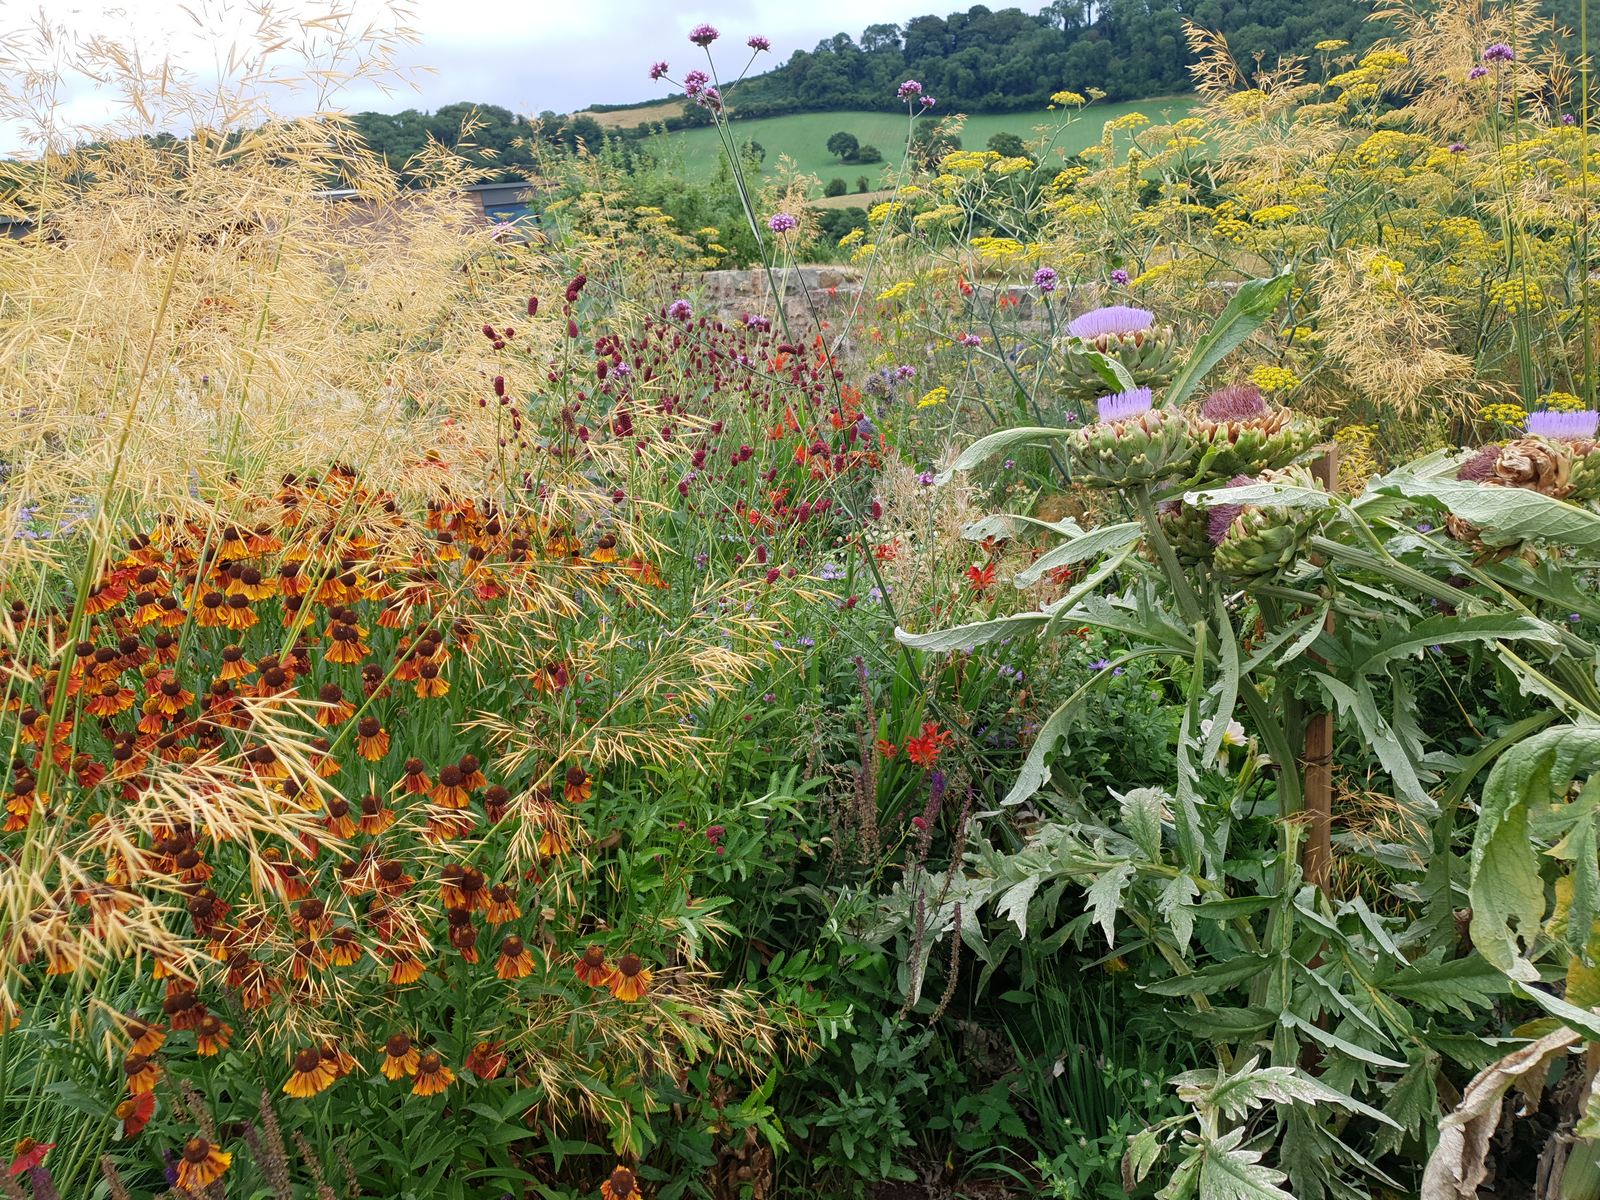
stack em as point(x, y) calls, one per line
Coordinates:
point(1480, 466)
point(1457, 147)
point(658, 70)
point(969, 339)
point(1123, 405)
point(909, 90)
point(710, 98)
point(1568, 119)
point(903, 373)
point(1499, 52)
point(757, 322)
point(925, 478)
point(1046, 279)
point(1219, 517)
point(1582, 424)
point(759, 43)
point(679, 310)
point(1119, 277)
point(694, 83)
point(781, 222)
point(1236, 402)
point(1478, 72)
point(703, 34)
point(927, 102)
point(1113, 319)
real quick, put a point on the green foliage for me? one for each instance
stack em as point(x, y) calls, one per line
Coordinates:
point(843, 145)
point(835, 187)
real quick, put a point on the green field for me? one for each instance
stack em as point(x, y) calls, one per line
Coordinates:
point(804, 136)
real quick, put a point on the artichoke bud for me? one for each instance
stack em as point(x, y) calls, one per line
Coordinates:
point(1236, 432)
point(1131, 443)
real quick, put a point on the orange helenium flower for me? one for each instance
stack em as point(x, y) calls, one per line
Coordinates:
point(202, 1164)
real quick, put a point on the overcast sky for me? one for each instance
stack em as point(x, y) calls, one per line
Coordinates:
point(528, 55)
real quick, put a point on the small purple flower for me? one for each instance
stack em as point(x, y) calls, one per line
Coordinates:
point(1568, 119)
point(1123, 405)
point(694, 83)
point(711, 98)
point(1010, 464)
point(1424, 527)
point(1499, 52)
point(969, 339)
point(781, 222)
point(759, 43)
point(1117, 320)
point(1046, 279)
point(1574, 617)
point(904, 373)
point(679, 310)
point(622, 370)
point(658, 70)
point(757, 323)
point(1100, 664)
point(1583, 424)
point(703, 34)
point(925, 478)
point(1458, 147)
point(927, 102)
point(1477, 72)
point(1119, 277)
point(909, 90)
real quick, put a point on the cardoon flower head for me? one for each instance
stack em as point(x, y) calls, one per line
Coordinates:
point(1236, 402)
point(703, 35)
point(657, 70)
point(1478, 72)
point(1119, 277)
point(1499, 52)
point(909, 89)
point(1583, 424)
point(1123, 405)
point(1045, 279)
point(1220, 516)
point(1113, 319)
point(781, 222)
point(694, 83)
point(679, 310)
point(759, 43)
point(1480, 466)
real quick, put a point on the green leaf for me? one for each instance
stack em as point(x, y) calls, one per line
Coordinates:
point(1173, 906)
point(1080, 548)
point(1332, 1041)
point(1415, 638)
point(1216, 977)
point(999, 442)
point(1225, 1024)
point(1105, 899)
point(1230, 1173)
point(1504, 882)
point(1504, 515)
point(1247, 311)
point(977, 633)
point(1467, 985)
point(1141, 814)
point(1111, 371)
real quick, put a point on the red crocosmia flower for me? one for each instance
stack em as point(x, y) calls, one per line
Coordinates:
point(887, 748)
point(925, 747)
point(982, 577)
point(28, 1154)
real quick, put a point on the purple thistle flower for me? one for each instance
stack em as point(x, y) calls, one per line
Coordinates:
point(679, 310)
point(759, 43)
point(1119, 277)
point(1478, 72)
point(1219, 517)
point(694, 83)
point(1123, 405)
point(1045, 279)
point(909, 89)
point(703, 34)
point(1236, 402)
point(657, 70)
point(781, 222)
point(1480, 466)
point(1583, 424)
point(1117, 319)
point(1499, 52)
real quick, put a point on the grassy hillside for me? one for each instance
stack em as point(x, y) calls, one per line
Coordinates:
point(804, 136)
